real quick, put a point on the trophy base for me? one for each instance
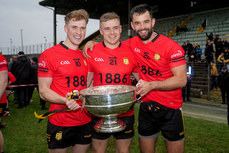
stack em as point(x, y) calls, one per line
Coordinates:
point(109, 127)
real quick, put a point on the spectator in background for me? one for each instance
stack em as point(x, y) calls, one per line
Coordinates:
point(214, 75)
point(21, 69)
point(209, 52)
point(12, 59)
point(184, 28)
point(184, 46)
point(189, 49)
point(3, 85)
point(210, 37)
point(34, 80)
point(223, 82)
point(190, 74)
point(198, 53)
point(218, 46)
point(225, 43)
point(224, 58)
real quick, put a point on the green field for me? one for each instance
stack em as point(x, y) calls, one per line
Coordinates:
point(23, 134)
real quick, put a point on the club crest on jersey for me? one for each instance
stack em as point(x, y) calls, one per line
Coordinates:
point(59, 135)
point(126, 61)
point(157, 57)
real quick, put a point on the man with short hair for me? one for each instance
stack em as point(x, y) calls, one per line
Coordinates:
point(162, 72)
point(21, 69)
point(115, 67)
point(62, 69)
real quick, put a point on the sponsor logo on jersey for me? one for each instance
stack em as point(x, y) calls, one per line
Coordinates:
point(3, 62)
point(126, 61)
point(179, 53)
point(112, 58)
point(99, 59)
point(146, 55)
point(77, 62)
point(64, 62)
point(137, 50)
point(156, 56)
point(42, 64)
point(59, 135)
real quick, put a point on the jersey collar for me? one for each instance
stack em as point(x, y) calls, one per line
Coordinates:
point(118, 45)
point(157, 35)
point(63, 45)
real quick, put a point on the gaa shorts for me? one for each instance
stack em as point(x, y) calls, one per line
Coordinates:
point(127, 133)
point(59, 137)
point(2, 109)
point(154, 117)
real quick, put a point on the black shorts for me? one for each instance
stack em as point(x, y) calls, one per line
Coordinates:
point(154, 117)
point(2, 109)
point(62, 137)
point(127, 133)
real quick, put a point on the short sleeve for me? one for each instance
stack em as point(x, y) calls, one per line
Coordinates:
point(176, 56)
point(45, 68)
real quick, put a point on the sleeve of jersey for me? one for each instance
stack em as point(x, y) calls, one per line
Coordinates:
point(44, 67)
point(127, 42)
point(89, 64)
point(11, 77)
point(176, 57)
point(3, 63)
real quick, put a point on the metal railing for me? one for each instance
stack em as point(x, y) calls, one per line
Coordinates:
point(29, 49)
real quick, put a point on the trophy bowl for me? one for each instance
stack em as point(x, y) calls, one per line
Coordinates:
point(107, 102)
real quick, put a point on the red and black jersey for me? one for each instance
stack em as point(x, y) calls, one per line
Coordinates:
point(155, 61)
point(3, 67)
point(69, 71)
point(112, 66)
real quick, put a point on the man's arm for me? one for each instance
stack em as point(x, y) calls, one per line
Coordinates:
point(178, 80)
point(3, 82)
point(90, 79)
point(89, 45)
point(51, 96)
point(46, 93)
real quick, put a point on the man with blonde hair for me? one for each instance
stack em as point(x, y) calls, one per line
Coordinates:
point(62, 69)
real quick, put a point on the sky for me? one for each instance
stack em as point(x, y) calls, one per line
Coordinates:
point(33, 22)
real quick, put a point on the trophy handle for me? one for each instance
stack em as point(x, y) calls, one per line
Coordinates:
point(75, 95)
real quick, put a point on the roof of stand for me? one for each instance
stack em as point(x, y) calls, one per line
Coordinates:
point(96, 8)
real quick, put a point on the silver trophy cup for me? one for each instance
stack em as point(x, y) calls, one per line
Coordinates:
point(108, 102)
